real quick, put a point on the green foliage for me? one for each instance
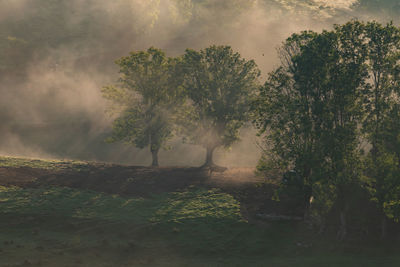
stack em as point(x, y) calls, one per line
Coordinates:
point(282, 109)
point(219, 84)
point(144, 100)
point(323, 200)
point(382, 179)
point(333, 92)
point(380, 123)
point(310, 109)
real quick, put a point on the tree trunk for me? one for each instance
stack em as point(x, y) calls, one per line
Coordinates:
point(383, 227)
point(307, 191)
point(322, 226)
point(307, 207)
point(343, 226)
point(154, 155)
point(209, 157)
point(342, 203)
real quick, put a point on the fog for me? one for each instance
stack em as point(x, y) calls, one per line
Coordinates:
point(55, 55)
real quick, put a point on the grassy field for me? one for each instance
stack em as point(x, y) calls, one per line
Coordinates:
point(42, 164)
point(197, 226)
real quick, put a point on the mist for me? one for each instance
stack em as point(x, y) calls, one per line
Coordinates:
point(56, 55)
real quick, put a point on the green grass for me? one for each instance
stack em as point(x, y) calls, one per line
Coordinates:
point(197, 227)
point(59, 226)
point(71, 220)
point(195, 204)
point(42, 163)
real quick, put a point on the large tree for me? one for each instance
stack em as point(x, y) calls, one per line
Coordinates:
point(219, 84)
point(345, 80)
point(310, 106)
point(144, 99)
point(284, 110)
point(381, 101)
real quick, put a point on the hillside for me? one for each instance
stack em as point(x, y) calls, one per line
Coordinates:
point(69, 213)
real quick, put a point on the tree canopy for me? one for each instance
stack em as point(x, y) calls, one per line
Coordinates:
point(144, 98)
point(219, 84)
point(332, 90)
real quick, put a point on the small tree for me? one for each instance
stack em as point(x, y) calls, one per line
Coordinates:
point(143, 99)
point(219, 85)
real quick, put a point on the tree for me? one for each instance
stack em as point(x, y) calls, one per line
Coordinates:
point(306, 105)
point(380, 101)
point(219, 85)
point(289, 109)
point(346, 78)
point(391, 181)
point(143, 99)
point(310, 108)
